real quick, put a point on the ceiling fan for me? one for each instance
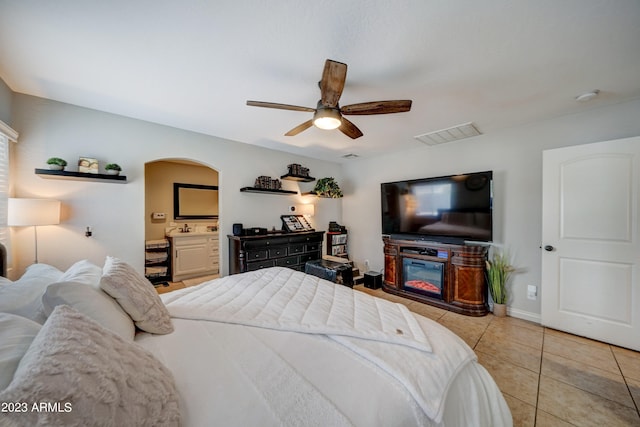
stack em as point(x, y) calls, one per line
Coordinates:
point(328, 114)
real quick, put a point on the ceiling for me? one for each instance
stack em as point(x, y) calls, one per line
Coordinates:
point(194, 64)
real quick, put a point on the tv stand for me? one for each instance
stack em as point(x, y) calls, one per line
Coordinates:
point(464, 288)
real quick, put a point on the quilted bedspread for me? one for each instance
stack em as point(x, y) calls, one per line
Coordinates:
point(425, 362)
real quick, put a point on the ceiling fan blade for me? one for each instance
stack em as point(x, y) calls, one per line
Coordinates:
point(377, 107)
point(350, 129)
point(302, 127)
point(332, 83)
point(279, 106)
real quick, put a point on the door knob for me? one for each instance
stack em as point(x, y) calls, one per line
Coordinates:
point(549, 248)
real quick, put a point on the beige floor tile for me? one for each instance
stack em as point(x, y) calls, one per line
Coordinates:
point(588, 378)
point(512, 380)
point(575, 338)
point(629, 362)
point(511, 351)
point(426, 310)
point(524, 415)
point(582, 408)
point(634, 389)
point(469, 332)
point(503, 331)
point(594, 355)
point(544, 419)
point(514, 322)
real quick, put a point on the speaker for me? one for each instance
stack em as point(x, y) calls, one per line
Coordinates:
point(372, 280)
point(237, 229)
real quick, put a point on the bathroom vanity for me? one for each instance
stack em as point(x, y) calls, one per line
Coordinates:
point(194, 254)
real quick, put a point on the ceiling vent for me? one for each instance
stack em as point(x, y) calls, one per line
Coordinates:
point(454, 133)
point(350, 156)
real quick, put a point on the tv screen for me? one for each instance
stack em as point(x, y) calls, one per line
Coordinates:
point(450, 209)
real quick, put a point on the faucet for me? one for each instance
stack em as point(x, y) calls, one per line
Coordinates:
point(186, 228)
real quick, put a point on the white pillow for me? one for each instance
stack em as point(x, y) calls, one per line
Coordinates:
point(136, 295)
point(94, 376)
point(16, 334)
point(24, 296)
point(83, 272)
point(91, 302)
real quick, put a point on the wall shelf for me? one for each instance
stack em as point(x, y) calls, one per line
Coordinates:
point(80, 176)
point(266, 190)
point(299, 178)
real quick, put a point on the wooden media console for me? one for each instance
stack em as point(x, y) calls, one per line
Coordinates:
point(449, 276)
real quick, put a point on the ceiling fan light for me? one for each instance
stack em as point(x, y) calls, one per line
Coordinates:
point(327, 118)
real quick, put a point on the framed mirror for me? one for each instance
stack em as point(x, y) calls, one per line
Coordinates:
point(195, 201)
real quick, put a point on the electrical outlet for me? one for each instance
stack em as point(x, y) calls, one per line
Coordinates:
point(532, 292)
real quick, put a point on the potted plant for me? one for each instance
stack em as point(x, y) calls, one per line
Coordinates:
point(327, 187)
point(56, 163)
point(113, 169)
point(498, 271)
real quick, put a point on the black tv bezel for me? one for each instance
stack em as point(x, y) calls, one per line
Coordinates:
point(446, 239)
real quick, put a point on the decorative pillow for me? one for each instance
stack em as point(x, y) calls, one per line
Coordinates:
point(93, 376)
point(83, 272)
point(91, 302)
point(16, 334)
point(24, 296)
point(136, 295)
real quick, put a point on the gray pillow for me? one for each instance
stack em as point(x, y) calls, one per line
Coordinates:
point(93, 376)
point(91, 302)
point(136, 295)
point(16, 335)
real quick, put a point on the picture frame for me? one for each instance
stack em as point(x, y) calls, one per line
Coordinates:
point(88, 165)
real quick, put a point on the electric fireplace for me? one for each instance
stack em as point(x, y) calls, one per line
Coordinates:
point(423, 277)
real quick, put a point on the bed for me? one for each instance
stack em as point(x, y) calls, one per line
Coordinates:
point(275, 347)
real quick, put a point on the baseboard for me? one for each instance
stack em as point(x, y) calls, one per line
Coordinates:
point(524, 315)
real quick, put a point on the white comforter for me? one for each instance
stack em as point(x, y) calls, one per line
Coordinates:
point(423, 360)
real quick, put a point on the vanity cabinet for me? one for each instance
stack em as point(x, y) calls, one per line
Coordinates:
point(194, 255)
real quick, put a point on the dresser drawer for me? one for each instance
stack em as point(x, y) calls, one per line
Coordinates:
point(296, 249)
point(309, 257)
point(257, 255)
point(287, 262)
point(278, 252)
point(313, 247)
point(265, 243)
point(257, 265)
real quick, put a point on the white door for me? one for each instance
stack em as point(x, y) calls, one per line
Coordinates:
point(591, 242)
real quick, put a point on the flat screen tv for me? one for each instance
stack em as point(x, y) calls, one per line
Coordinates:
point(449, 209)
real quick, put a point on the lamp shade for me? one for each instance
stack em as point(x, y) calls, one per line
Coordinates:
point(25, 212)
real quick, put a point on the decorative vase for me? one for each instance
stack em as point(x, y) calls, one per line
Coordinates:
point(113, 172)
point(499, 310)
point(56, 167)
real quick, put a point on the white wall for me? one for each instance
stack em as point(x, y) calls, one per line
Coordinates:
point(515, 156)
point(116, 211)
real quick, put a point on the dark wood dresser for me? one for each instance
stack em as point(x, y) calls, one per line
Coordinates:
point(293, 250)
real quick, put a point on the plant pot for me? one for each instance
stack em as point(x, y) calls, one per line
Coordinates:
point(56, 167)
point(112, 172)
point(499, 310)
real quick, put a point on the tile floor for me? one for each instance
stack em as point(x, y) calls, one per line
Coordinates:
point(548, 378)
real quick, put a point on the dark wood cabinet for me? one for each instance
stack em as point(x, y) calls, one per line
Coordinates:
point(293, 250)
point(463, 288)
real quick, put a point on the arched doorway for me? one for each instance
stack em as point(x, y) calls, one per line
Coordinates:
point(179, 251)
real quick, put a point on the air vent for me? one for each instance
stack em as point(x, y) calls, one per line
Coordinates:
point(350, 156)
point(454, 133)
